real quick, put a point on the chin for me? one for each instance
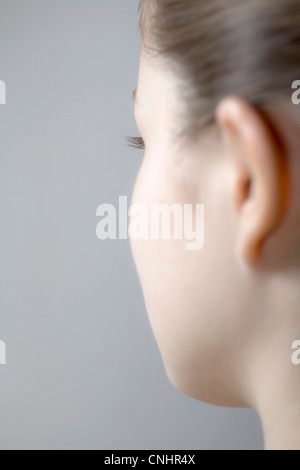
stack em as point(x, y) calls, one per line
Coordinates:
point(203, 391)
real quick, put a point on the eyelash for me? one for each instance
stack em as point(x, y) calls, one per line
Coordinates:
point(135, 142)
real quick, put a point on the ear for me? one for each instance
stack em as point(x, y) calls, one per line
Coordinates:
point(260, 192)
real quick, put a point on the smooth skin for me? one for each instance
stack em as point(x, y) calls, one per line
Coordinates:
point(225, 317)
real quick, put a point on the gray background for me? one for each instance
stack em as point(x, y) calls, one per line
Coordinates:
point(83, 370)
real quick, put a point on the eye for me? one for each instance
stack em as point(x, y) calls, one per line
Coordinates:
point(135, 142)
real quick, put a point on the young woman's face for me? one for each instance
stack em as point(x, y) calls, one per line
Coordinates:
point(192, 297)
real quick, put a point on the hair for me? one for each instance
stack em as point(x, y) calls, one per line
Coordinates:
point(217, 48)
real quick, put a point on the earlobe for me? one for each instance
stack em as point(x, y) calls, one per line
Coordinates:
point(260, 192)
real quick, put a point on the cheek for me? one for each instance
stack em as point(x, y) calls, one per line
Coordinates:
point(193, 298)
point(167, 272)
point(161, 274)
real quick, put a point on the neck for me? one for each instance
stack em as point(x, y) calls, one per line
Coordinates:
point(273, 380)
point(276, 389)
point(284, 432)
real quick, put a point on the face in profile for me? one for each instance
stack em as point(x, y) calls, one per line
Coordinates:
point(221, 129)
point(212, 310)
point(192, 297)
